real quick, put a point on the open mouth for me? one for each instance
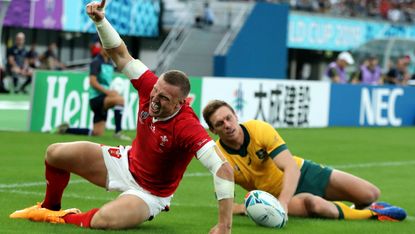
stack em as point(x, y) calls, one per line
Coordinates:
point(231, 132)
point(155, 107)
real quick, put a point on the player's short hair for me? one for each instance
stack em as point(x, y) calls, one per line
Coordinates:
point(211, 108)
point(178, 79)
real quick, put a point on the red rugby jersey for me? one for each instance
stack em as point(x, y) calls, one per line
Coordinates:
point(162, 150)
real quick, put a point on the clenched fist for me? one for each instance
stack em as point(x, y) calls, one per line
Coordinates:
point(95, 10)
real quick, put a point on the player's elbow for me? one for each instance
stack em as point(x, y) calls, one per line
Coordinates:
point(225, 172)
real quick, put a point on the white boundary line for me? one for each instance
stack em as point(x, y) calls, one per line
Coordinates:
point(95, 198)
point(33, 184)
point(14, 105)
point(376, 164)
point(11, 188)
point(203, 174)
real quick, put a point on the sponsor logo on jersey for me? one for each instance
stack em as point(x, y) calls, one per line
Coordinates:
point(143, 115)
point(164, 140)
point(114, 152)
point(261, 154)
point(201, 142)
point(153, 128)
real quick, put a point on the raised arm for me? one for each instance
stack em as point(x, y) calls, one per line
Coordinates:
point(111, 40)
point(222, 172)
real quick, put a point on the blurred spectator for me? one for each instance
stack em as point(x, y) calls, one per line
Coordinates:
point(17, 63)
point(384, 7)
point(95, 49)
point(399, 74)
point(95, 46)
point(208, 15)
point(395, 14)
point(372, 8)
point(2, 75)
point(307, 5)
point(323, 5)
point(369, 72)
point(33, 57)
point(336, 70)
point(33, 63)
point(393, 10)
point(49, 60)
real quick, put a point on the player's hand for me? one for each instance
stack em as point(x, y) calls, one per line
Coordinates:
point(239, 209)
point(95, 10)
point(112, 93)
point(220, 229)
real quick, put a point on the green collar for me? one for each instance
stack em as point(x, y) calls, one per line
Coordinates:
point(243, 151)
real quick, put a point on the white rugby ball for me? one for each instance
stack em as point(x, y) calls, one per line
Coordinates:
point(118, 85)
point(264, 209)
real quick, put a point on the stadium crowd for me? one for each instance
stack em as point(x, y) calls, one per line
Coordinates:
point(21, 63)
point(21, 59)
point(402, 11)
point(368, 71)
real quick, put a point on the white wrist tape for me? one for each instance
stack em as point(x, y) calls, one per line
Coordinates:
point(223, 188)
point(134, 69)
point(211, 160)
point(109, 37)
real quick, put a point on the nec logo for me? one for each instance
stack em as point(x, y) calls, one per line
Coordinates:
point(377, 107)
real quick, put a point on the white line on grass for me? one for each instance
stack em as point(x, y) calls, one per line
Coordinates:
point(376, 164)
point(92, 198)
point(67, 195)
point(202, 174)
point(96, 198)
point(33, 184)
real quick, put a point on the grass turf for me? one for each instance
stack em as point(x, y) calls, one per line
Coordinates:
point(384, 156)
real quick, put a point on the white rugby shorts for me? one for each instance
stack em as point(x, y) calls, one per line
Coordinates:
point(120, 179)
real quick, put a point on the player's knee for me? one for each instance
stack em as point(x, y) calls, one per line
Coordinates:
point(372, 194)
point(120, 101)
point(52, 153)
point(105, 219)
point(311, 205)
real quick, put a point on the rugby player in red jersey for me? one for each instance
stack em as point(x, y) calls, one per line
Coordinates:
point(148, 172)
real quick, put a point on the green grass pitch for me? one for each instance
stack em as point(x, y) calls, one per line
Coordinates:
point(384, 156)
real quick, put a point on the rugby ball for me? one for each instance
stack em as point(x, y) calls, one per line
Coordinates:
point(264, 209)
point(118, 85)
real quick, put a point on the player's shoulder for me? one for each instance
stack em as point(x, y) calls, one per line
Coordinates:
point(186, 116)
point(254, 123)
point(259, 127)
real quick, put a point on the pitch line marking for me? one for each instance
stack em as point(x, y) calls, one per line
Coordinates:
point(33, 184)
point(95, 198)
point(203, 174)
point(92, 198)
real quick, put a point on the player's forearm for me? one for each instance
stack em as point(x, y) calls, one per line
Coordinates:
point(112, 42)
point(225, 213)
point(290, 183)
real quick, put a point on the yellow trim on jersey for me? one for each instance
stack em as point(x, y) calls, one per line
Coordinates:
point(253, 164)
